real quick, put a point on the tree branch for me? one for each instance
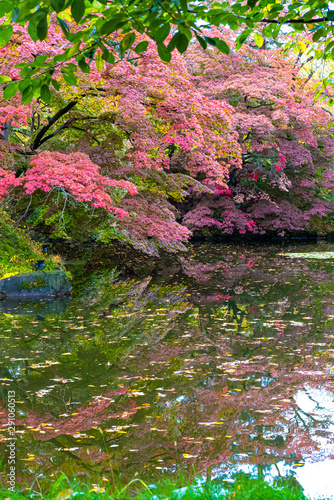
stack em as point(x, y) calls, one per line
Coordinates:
point(39, 137)
point(295, 21)
point(65, 125)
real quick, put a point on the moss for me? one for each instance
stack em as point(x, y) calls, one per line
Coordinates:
point(18, 252)
point(34, 285)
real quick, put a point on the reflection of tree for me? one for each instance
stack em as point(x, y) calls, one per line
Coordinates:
point(192, 373)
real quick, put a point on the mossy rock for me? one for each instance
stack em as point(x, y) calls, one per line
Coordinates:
point(49, 283)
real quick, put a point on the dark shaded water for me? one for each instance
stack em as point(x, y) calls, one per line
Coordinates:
point(224, 362)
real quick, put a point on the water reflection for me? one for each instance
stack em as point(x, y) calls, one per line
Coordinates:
point(37, 307)
point(224, 361)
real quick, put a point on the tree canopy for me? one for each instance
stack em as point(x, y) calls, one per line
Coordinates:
point(147, 152)
point(87, 26)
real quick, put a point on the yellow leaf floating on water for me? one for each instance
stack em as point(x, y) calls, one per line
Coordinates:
point(63, 495)
point(187, 455)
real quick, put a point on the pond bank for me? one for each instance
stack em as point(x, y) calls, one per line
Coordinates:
point(18, 252)
point(169, 489)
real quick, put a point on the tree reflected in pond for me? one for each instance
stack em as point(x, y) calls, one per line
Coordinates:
point(227, 363)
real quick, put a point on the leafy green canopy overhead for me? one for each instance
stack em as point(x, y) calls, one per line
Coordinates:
point(171, 24)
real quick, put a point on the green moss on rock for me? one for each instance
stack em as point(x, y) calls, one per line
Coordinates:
point(17, 250)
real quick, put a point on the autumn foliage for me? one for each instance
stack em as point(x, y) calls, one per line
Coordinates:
point(148, 152)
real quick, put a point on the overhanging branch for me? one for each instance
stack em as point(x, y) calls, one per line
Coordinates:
point(51, 121)
point(64, 126)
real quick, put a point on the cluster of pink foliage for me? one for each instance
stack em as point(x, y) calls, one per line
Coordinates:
point(230, 218)
point(154, 227)
point(24, 49)
point(76, 174)
point(286, 141)
point(16, 115)
point(7, 181)
point(159, 107)
point(280, 165)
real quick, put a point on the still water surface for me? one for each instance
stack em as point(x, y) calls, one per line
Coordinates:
point(222, 362)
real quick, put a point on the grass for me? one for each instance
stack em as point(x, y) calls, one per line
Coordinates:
point(18, 252)
point(243, 488)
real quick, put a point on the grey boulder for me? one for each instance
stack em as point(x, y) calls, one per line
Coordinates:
point(37, 284)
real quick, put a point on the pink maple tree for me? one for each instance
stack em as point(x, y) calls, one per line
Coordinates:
point(285, 137)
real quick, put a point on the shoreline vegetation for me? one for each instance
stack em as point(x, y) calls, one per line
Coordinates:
point(19, 251)
point(242, 488)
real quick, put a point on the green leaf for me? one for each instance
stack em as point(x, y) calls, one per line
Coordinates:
point(116, 22)
point(127, 41)
point(141, 47)
point(69, 76)
point(55, 84)
point(210, 41)
point(162, 33)
point(82, 64)
point(184, 5)
point(108, 56)
point(61, 57)
point(241, 38)
point(164, 53)
point(90, 54)
point(23, 84)
point(172, 44)
point(258, 39)
point(57, 5)
point(182, 43)
point(78, 10)
point(329, 46)
point(201, 41)
point(330, 15)
point(249, 23)
point(222, 46)
point(45, 94)
point(276, 31)
point(42, 28)
point(5, 8)
point(40, 61)
point(318, 94)
point(5, 35)
point(99, 63)
point(73, 50)
point(318, 34)
point(4, 78)
point(10, 90)
point(27, 95)
point(65, 29)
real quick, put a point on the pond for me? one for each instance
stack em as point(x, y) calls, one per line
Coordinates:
point(222, 362)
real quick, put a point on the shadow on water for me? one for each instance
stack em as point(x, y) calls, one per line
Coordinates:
point(224, 362)
point(39, 307)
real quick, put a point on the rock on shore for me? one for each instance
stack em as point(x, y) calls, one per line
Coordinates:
point(36, 284)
